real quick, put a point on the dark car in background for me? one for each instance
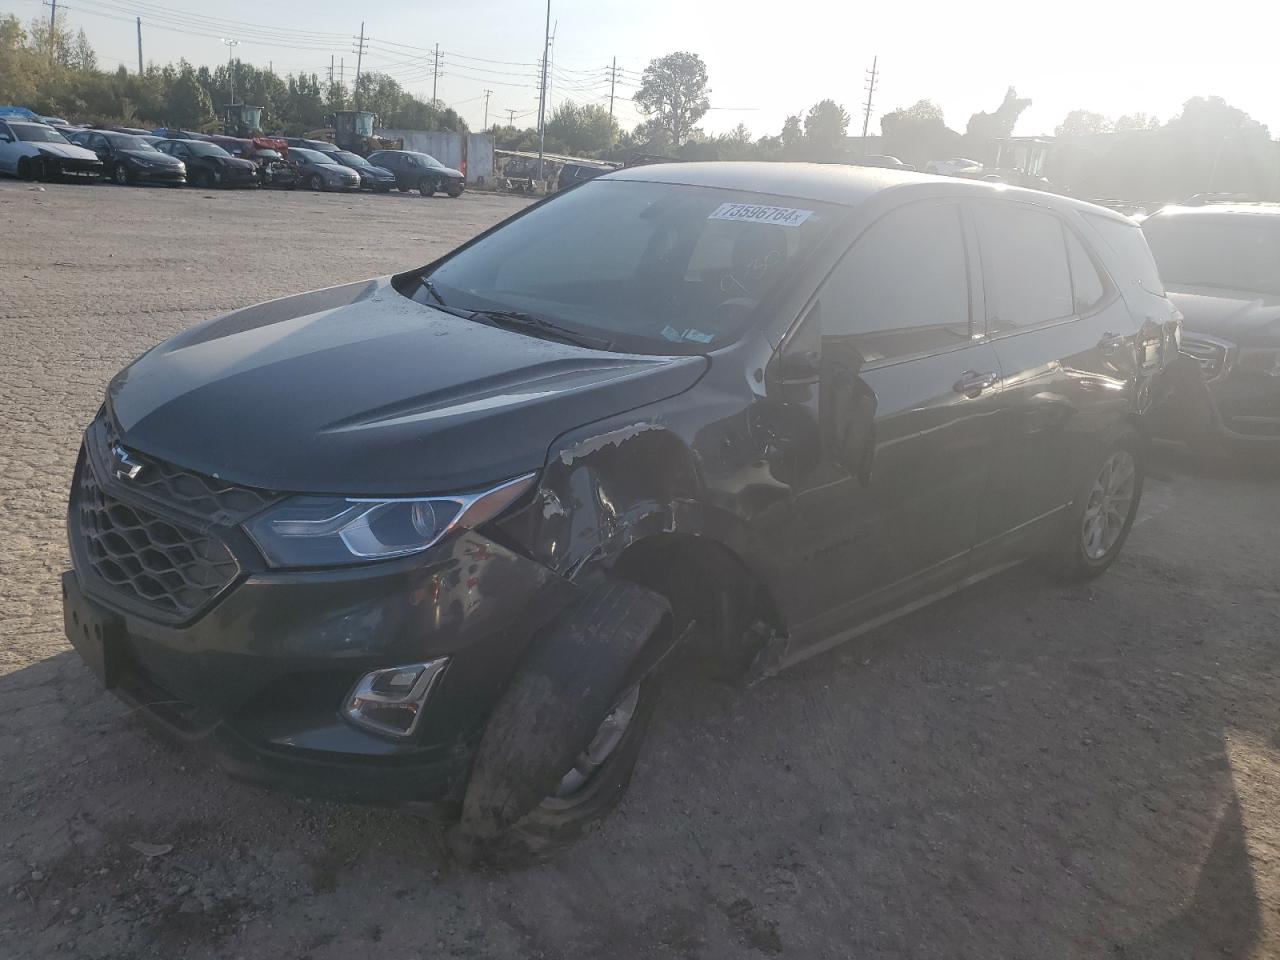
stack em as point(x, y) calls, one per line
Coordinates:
point(375, 178)
point(420, 171)
point(31, 150)
point(129, 159)
point(1220, 264)
point(323, 146)
point(322, 171)
point(208, 165)
point(571, 174)
point(429, 538)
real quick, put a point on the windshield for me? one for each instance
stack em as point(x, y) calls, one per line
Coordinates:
point(1232, 251)
point(201, 149)
point(314, 156)
point(37, 133)
point(352, 159)
point(268, 155)
point(125, 141)
point(652, 267)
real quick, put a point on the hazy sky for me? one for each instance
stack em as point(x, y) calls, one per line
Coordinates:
point(766, 59)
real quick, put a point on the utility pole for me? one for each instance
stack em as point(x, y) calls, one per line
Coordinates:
point(331, 69)
point(139, 46)
point(231, 66)
point(872, 74)
point(53, 35)
point(342, 70)
point(511, 117)
point(613, 82)
point(435, 73)
point(486, 109)
point(542, 94)
point(359, 60)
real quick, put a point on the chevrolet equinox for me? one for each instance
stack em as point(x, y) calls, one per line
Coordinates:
point(428, 539)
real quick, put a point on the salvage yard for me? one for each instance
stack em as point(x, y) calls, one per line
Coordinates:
point(1024, 770)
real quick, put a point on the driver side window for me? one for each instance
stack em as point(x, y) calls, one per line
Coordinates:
point(902, 290)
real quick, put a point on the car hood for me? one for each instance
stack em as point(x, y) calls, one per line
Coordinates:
point(68, 151)
point(152, 156)
point(378, 173)
point(1236, 315)
point(447, 171)
point(359, 390)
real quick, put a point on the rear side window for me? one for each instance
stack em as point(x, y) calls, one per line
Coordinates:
point(903, 289)
point(1130, 246)
point(1086, 285)
point(1024, 261)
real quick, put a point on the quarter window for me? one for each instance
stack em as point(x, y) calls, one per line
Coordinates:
point(1024, 260)
point(903, 289)
point(1086, 285)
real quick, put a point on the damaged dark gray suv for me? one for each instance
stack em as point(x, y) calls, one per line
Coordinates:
point(429, 539)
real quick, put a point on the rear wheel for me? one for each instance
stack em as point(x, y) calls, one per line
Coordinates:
point(1102, 514)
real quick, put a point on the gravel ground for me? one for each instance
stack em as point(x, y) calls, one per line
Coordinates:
point(1024, 770)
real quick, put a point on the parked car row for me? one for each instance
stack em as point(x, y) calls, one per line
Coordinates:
point(36, 150)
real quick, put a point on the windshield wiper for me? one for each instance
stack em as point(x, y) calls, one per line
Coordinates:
point(519, 320)
point(429, 286)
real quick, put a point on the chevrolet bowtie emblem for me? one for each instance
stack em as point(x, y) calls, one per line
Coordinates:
point(123, 466)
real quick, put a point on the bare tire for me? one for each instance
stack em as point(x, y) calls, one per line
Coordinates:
point(559, 749)
point(1101, 515)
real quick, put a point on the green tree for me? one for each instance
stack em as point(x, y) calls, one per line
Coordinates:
point(1136, 121)
point(673, 92)
point(1082, 123)
point(582, 129)
point(984, 127)
point(825, 126)
point(82, 54)
point(792, 135)
point(918, 133)
point(188, 102)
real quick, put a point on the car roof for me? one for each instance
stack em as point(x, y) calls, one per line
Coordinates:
point(837, 183)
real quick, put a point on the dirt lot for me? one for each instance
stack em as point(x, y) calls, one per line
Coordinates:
point(1022, 771)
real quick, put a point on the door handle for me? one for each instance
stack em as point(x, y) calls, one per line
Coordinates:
point(971, 384)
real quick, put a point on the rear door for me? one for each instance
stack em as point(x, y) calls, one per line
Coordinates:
point(1065, 342)
point(907, 395)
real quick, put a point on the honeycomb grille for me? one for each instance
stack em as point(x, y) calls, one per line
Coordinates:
point(194, 493)
point(171, 568)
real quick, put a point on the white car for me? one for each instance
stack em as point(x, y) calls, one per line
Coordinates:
point(955, 167)
point(31, 150)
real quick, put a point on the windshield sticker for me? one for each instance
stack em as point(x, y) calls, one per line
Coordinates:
point(755, 213)
point(696, 336)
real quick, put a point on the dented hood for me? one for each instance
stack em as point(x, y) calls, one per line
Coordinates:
point(357, 390)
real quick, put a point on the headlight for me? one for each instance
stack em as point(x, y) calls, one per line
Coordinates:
point(1265, 361)
point(309, 531)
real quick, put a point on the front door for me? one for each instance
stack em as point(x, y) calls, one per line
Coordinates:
point(907, 401)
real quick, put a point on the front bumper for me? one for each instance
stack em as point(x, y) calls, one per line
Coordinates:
point(258, 679)
point(236, 177)
point(72, 169)
point(158, 174)
point(1244, 402)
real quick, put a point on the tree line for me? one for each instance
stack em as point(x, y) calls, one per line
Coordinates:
point(55, 73)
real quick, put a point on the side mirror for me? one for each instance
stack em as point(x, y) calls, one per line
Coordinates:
point(797, 366)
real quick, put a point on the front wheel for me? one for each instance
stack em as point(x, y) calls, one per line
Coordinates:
point(1102, 514)
point(315, 183)
point(120, 175)
point(455, 191)
point(427, 187)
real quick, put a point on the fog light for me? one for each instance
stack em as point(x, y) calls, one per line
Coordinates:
point(390, 701)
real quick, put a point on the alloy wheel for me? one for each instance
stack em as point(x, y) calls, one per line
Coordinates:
point(1109, 504)
point(602, 746)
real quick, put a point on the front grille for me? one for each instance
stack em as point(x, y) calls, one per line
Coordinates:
point(146, 558)
point(205, 497)
point(1212, 355)
point(152, 542)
